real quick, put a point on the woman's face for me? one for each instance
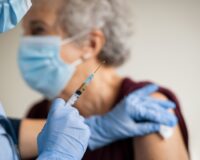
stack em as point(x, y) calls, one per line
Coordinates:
point(41, 21)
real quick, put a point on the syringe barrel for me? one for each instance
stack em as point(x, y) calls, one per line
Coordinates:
point(89, 79)
point(73, 99)
point(79, 92)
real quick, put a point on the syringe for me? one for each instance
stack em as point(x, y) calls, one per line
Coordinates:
point(72, 100)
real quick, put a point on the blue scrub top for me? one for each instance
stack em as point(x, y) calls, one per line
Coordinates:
point(7, 146)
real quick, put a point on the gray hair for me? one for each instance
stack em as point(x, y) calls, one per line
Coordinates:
point(113, 17)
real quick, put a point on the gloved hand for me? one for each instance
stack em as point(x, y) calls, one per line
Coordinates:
point(65, 135)
point(136, 115)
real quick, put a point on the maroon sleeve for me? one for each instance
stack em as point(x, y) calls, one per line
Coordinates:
point(39, 110)
point(171, 96)
point(129, 86)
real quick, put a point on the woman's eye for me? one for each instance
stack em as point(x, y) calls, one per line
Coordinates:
point(38, 28)
point(38, 31)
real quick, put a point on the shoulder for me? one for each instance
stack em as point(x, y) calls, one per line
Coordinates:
point(129, 86)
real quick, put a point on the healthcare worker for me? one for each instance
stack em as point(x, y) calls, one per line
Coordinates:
point(11, 13)
point(65, 132)
point(65, 135)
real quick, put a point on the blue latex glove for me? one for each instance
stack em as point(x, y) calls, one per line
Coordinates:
point(11, 12)
point(136, 115)
point(65, 135)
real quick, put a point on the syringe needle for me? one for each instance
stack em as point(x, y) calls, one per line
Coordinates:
point(99, 66)
point(82, 88)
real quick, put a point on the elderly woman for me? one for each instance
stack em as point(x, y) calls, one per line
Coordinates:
point(85, 33)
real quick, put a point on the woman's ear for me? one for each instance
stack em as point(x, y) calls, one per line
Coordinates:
point(95, 42)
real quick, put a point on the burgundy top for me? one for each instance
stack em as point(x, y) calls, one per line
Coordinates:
point(120, 150)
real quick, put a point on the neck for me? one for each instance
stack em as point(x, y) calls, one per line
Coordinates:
point(100, 95)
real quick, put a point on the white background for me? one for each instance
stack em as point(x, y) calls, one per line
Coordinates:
point(166, 49)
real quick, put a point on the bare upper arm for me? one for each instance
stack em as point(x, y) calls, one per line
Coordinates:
point(153, 147)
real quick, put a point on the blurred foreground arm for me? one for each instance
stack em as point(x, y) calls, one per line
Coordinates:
point(64, 136)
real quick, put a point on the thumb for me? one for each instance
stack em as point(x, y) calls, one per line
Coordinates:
point(147, 128)
point(56, 104)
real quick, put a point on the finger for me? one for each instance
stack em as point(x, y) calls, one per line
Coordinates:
point(158, 115)
point(56, 103)
point(72, 112)
point(72, 109)
point(166, 104)
point(147, 90)
point(147, 128)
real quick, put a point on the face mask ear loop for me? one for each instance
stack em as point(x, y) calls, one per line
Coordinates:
point(81, 60)
point(77, 62)
point(74, 38)
point(86, 56)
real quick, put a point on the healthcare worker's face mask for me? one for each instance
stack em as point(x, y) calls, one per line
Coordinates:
point(42, 67)
point(11, 13)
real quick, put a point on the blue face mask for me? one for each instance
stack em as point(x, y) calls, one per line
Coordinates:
point(11, 13)
point(42, 67)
